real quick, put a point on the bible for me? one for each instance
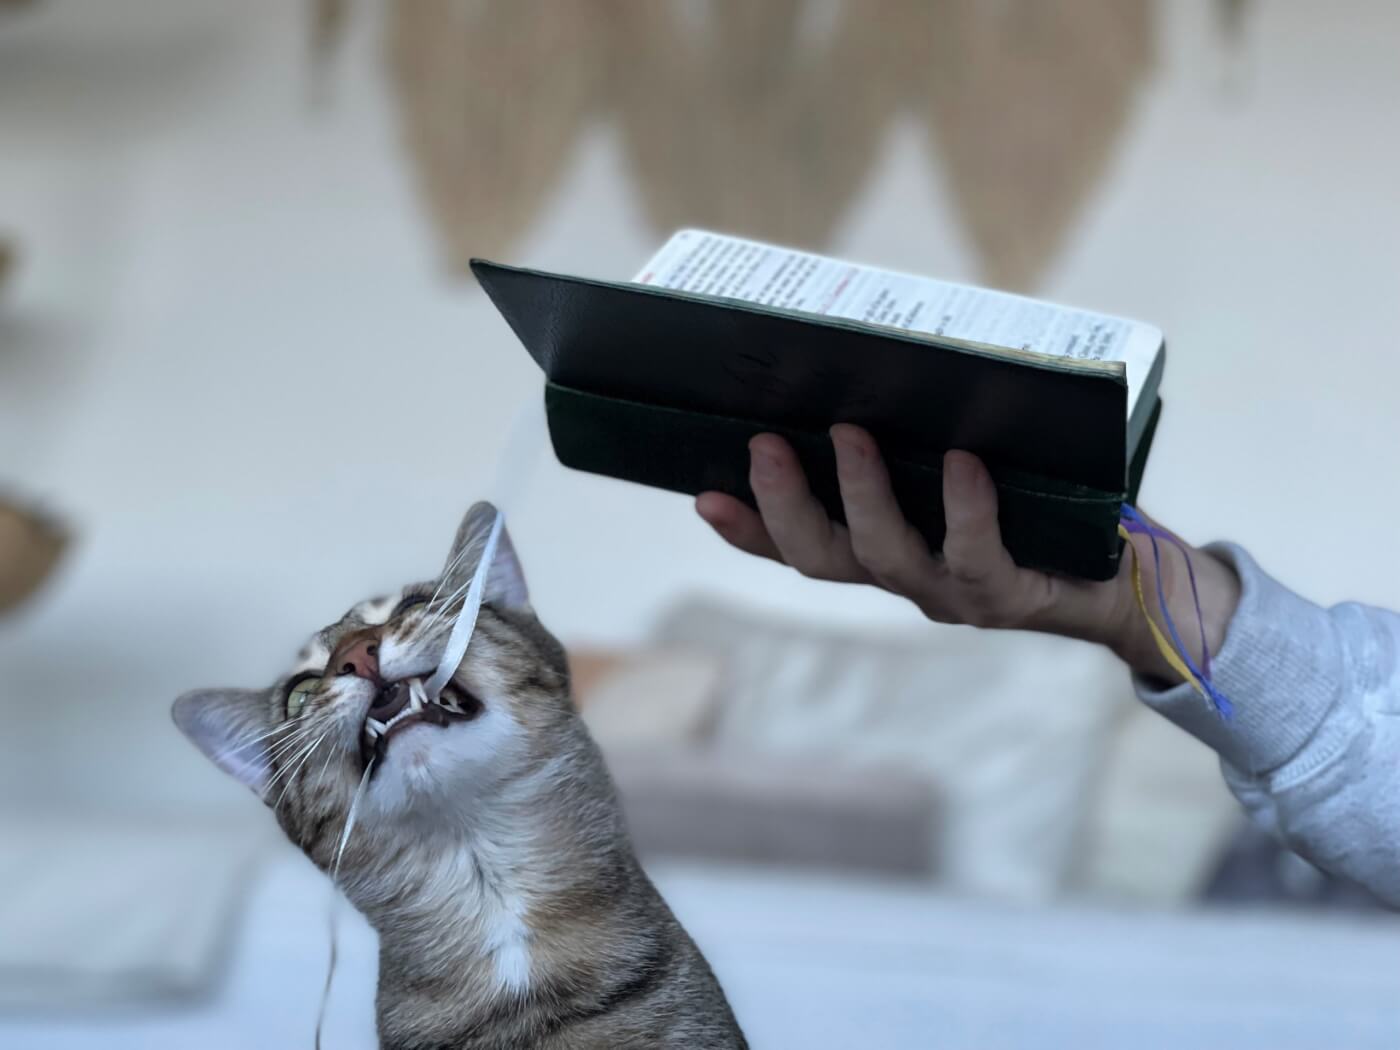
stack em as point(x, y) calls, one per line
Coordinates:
point(664, 379)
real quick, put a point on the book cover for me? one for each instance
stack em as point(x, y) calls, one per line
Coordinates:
point(664, 380)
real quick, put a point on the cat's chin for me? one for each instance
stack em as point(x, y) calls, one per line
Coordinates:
point(426, 766)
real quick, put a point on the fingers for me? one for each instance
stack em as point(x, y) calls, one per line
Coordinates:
point(796, 521)
point(975, 582)
point(972, 547)
point(986, 584)
point(738, 524)
point(888, 547)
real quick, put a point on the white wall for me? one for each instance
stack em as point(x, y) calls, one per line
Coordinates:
point(230, 359)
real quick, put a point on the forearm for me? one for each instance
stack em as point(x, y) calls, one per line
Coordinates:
point(1315, 727)
point(1310, 747)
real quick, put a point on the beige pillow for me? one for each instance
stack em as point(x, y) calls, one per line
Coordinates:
point(1008, 727)
point(651, 697)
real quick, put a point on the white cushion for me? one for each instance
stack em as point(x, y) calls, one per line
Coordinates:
point(1009, 727)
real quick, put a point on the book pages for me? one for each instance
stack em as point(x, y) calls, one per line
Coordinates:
point(713, 264)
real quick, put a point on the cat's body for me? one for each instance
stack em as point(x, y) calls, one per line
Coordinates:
point(488, 850)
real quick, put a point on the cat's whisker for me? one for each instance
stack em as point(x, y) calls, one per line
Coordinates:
point(285, 747)
point(251, 741)
point(284, 770)
point(291, 776)
point(442, 582)
point(446, 606)
point(350, 818)
point(426, 634)
point(252, 738)
point(450, 568)
point(293, 755)
point(325, 765)
point(440, 617)
point(447, 572)
point(459, 591)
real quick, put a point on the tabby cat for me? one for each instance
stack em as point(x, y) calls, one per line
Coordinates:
point(487, 848)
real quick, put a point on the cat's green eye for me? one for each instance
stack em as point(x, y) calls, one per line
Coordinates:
point(301, 691)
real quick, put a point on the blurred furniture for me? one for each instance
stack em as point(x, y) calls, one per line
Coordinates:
point(996, 764)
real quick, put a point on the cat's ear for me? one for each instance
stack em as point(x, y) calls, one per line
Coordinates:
point(505, 583)
point(231, 727)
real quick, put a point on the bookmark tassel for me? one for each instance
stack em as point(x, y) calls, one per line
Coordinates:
point(1173, 649)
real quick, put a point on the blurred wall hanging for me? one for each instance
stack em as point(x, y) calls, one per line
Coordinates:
point(765, 118)
point(30, 547)
point(31, 543)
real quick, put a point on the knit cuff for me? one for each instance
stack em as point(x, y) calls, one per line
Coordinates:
point(1281, 667)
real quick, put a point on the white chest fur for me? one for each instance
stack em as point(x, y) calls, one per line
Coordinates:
point(477, 910)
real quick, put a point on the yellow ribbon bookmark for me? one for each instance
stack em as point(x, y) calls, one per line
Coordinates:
point(1168, 652)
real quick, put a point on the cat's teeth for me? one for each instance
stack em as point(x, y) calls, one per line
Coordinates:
point(375, 726)
point(416, 695)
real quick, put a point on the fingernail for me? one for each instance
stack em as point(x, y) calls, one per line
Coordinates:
point(960, 471)
point(765, 465)
point(844, 443)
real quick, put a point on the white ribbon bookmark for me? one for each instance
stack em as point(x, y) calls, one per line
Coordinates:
point(513, 469)
point(520, 455)
point(461, 635)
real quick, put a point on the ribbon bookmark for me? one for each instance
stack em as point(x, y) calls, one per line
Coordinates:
point(462, 629)
point(1172, 648)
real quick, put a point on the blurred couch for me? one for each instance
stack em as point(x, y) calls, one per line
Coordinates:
point(1003, 765)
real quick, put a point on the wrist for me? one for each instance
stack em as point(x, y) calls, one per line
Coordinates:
point(1218, 588)
point(1133, 641)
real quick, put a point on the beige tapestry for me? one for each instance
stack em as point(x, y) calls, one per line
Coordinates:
point(766, 117)
point(30, 547)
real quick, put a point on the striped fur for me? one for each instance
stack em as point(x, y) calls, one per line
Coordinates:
point(489, 854)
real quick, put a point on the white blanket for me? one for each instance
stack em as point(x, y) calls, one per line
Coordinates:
point(95, 913)
point(831, 965)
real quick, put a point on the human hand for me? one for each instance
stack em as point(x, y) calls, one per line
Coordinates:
point(973, 580)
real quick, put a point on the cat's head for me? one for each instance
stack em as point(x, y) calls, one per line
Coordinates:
point(304, 744)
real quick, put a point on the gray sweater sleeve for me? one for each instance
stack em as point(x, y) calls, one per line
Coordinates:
point(1313, 751)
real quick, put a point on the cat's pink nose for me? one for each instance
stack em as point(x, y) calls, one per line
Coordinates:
point(357, 654)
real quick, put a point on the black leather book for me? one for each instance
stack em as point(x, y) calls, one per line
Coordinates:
point(664, 380)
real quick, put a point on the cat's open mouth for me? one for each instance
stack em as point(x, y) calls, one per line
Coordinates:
point(405, 703)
